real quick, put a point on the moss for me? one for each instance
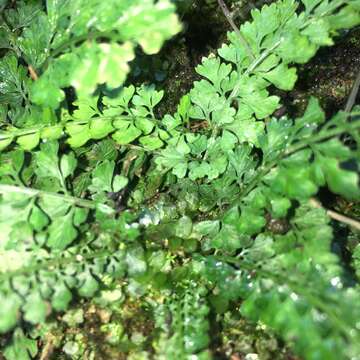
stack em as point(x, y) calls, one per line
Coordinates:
point(91, 332)
point(240, 338)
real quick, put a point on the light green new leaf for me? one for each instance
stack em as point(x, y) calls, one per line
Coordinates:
point(247, 130)
point(216, 72)
point(121, 101)
point(261, 104)
point(47, 161)
point(62, 232)
point(53, 12)
point(4, 143)
point(28, 142)
point(151, 142)
point(180, 169)
point(347, 17)
point(145, 125)
point(119, 182)
point(227, 239)
point(282, 77)
point(147, 96)
point(135, 260)
point(79, 134)
point(224, 114)
point(310, 4)
point(12, 77)
point(340, 181)
point(86, 108)
point(21, 347)
point(9, 312)
point(295, 183)
point(68, 164)
point(150, 24)
point(207, 227)
point(313, 115)
point(45, 92)
point(52, 132)
point(228, 141)
point(103, 178)
point(265, 22)
point(205, 100)
point(35, 40)
point(279, 206)
point(88, 286)
point(38, 219)
point(184, 227)
point(252, 220)
point(296, 48)
point(318, 32)
point(199, 170)
point(174, 156)
point(101, 63)
point(35, 309)
point(127, 134)
point(61, 297)
point(99, 128)
point(183, 108)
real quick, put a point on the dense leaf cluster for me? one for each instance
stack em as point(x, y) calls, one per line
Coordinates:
point(205, 210)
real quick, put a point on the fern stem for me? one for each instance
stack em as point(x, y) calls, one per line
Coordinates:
point(54, 263)
point(297, 288)
point(242, 39)
point(262, 57)
point(336, 216)
point(35, 129)
point(352, 97)
point(292, 149)
point(4, 188)
point(252, 67)
point(321, 137)
point(330, 9)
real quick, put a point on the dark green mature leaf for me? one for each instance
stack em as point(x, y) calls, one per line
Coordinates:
point(35, 41)
point(13, 81)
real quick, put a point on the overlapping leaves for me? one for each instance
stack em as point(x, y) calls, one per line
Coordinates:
point(127, 117)
point(46, 250)
point(45, 39)
point(234, 218)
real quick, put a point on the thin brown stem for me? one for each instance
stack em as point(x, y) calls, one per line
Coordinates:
point(48, 349)
point(32, 73)
point(291, 150)
point(242, 39)
point(336, 216)
point(352, 97)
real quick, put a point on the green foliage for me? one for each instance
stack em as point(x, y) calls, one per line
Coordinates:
point(127, 117)
point(22, 348)
point(356, 260)
point(101, 191)
point(188, 333)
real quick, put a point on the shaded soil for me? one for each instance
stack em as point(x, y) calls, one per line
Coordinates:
point(330, 75)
